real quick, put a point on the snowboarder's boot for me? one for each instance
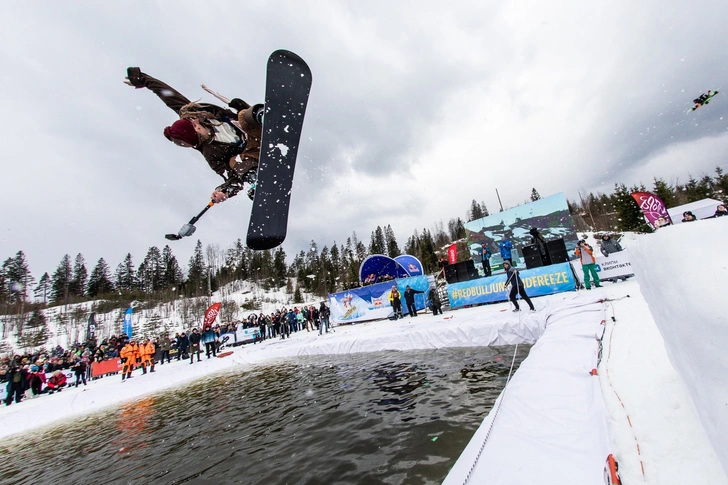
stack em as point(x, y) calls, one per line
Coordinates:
point(251, 178)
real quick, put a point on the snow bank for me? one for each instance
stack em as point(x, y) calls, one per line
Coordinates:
point(683, 275)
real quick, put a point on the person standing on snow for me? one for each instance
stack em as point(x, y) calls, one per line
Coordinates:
point(409, 298)
point(517, 288)
point(505, 250)
point(324, 314)
point(609, 246)
point(208, 338)
point(194, 340)
point(147, 351)
point(485, 259)
point(585, 253)
point(435, 303)
point(219, 134)
point(129, 355)
point(396, 302)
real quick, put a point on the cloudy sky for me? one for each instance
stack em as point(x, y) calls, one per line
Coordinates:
point(417, 108)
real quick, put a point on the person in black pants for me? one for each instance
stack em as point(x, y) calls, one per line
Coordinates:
point(409, 298)
point(194, 339)
point(485, 259)
point(517, 287)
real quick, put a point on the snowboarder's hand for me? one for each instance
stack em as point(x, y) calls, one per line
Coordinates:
point(218, 196)
point(133, 77)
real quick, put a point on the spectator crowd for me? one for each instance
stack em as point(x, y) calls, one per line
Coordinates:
point(46, 371)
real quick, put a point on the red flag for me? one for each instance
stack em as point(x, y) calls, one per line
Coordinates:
point(452, 254)
point(211, 314)
point(653, 208)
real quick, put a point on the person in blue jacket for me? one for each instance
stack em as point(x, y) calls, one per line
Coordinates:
point(505, 250)
point(208, 338)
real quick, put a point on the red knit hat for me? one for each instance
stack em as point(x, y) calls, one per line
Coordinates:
point(182, 130)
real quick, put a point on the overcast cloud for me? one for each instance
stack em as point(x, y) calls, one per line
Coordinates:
point(416, 109)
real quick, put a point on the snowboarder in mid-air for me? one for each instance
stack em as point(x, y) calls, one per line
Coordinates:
point(229, 141)
point(702, 100)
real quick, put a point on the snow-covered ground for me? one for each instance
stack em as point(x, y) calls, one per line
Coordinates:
point(654, 421)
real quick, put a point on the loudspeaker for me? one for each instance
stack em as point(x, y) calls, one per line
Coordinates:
point(557, 251)
point(472, 270)
point(532, 255)
point(451, 274)
point(462, 269)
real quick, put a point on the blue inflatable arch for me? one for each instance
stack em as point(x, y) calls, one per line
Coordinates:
point(379, 267)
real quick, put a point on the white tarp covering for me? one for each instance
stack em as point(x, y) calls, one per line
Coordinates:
point(551, 427)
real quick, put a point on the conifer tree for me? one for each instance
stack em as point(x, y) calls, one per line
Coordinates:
point(279, 267)
point(629, 213)
point(125, 275)
point(43, 290)
point(80, 277)
point(391, 242)
point(534, 195)
point(664, 192)
point(377, 245)
point(172, 275)
point(475, 212)
point(18, 278)
point(62, 277)
point(197, 272)
point(99, 283)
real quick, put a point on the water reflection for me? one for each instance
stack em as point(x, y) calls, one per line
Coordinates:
point(395, 417)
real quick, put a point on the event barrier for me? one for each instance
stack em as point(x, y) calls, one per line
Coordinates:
point(372, 302)
point(616, 265)
point(105, 367)
point(545, 280)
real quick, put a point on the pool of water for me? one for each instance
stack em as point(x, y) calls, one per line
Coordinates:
point(385, 417)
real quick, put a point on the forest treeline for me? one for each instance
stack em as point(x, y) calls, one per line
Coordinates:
point(159, 277)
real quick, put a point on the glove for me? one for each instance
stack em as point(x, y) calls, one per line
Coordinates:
point(187, 230)
point(134, 77)
point(238, 104)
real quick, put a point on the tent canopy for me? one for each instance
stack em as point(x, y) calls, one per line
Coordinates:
point(701, 208)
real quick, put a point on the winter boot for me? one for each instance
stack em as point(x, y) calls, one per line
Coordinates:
point(152, 370)
point(128, 375)
point(251, 178)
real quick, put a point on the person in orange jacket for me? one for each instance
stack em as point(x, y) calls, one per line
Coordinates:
point(129, 356)
point(147, 351)
point(585, 253)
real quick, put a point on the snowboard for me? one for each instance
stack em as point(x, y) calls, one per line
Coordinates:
point(701, 103)
point(288, 84)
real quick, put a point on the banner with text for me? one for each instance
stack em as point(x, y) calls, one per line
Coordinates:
point(372, 302)
point(615, 265)
point(546, 280)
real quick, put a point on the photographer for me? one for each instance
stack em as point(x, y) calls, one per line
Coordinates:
point(585, 253)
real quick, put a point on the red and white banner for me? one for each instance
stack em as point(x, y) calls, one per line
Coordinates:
point(653, 208)
point(452, 254)
point(211, 314)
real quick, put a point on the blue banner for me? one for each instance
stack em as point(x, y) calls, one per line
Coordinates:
point(127, 323)
point(372, 302)
point(546, 280)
